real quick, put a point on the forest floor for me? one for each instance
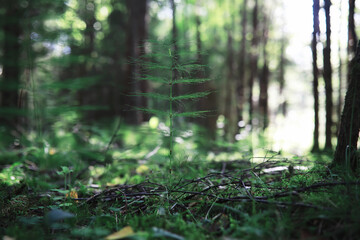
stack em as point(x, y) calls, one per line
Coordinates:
point(87, 183)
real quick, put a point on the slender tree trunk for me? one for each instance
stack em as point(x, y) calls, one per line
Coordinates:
point(241, 84)
point(345, 153)
point(340, 97)
point(328, 78)
point(10, 81)
point(352, 37)
point(88, 95)
point(264, 79)
point(143, 35)
point(340, 75)
point(136, 39)
point(208, 103)
point(253, 59)
point(230, 108)
point(283, 104)
point(315, 35)
point(116, 39)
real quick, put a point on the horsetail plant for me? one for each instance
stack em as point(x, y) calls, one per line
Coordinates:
point(162, 67)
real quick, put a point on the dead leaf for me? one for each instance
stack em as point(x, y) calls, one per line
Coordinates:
point(72, 194)
point(123, 233)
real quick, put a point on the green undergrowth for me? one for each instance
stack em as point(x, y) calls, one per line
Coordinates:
point(87, 183)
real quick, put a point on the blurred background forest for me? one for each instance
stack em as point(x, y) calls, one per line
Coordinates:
point(278, 68)
point(179, 119)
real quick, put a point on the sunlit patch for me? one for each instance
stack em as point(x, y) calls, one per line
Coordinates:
point(116, 155)
point(187, 134)
point(241, 123)
point(142, 169)
point(47, 147)
point(96, 171)
point(153, 122)
point(77, 36)
point(275, 169)
point(211, 156)
point(165, 13)
point(12, 175)
point(90, 6)
point(130, 138)
point(52, 151)
point(97, 26)
point(165, 129)
point(72, 3)
point(164, 151)
point(179, 140)
point(220, 123)
point(94, 141)
point(103, 13)
point(116, 181)
point(303, 168)
point(79, 24)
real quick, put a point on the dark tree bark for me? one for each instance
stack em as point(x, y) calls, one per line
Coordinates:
point(352, 37)
point(241, 83)
point(136, 38)
point(209, 102)
point(328, 79)
point(315, 35)
point(282, 63)
point(230, 108)
point(90, 95)
point(264, 79)
point(340, 100)
point(340, 96)
point(345, 153)
point(10, 81)
point(115, 47)
point(253, 60)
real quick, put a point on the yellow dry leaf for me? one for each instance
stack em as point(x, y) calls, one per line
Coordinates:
point(142, 169)
point(123, 233)
point(72, 194)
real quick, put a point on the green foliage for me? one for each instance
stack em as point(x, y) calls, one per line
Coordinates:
point(31, 198)
point(162, 66)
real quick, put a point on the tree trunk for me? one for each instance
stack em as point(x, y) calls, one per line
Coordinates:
point(89, 95)
point(230, 108)
point(328, 78)
point(345, 153)
point(352, 38)
point(315, 35)
point(115, 40)
point(283, 104)
point(264, 79)
point(241, 84)
point(208, 103)
point(340, 78)
point(253, 60)
point(136, 39)
point(10, 81)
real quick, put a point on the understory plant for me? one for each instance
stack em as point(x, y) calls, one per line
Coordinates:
point(175, 75)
